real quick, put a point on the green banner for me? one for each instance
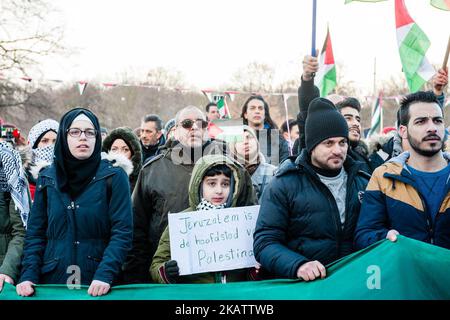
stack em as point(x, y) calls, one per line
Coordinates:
point(406, 269)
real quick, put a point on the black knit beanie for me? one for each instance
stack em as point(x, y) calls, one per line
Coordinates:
point(324, 121)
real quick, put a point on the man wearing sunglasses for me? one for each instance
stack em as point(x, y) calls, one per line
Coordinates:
point(162, 187)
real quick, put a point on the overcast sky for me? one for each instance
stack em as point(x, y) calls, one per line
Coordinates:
point(208, 40)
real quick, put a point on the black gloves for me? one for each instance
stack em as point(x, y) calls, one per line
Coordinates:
point(171, 271)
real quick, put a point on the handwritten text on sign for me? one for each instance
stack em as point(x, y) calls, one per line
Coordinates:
point(213, 240)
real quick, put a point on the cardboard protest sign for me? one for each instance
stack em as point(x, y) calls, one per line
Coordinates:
point(213, 240)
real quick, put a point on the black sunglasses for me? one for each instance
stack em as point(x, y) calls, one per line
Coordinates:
point(188, 123)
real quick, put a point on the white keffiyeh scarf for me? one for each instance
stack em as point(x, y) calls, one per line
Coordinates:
point(12, 179)
point(206, 205)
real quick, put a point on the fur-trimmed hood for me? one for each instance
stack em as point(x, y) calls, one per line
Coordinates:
point(35, 168)
point(26, 155)
point(362, 149)
point(119, 160)
point(127, 135)
point(377, 141)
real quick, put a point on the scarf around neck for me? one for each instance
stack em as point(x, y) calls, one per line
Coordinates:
point(206, 205)
point(12, 179)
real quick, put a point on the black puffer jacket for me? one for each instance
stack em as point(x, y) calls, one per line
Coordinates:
point(299, 220)
point(360, 153)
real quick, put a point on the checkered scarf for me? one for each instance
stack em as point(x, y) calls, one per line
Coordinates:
point(12, 179)
point(43, 154)
point(206, 205)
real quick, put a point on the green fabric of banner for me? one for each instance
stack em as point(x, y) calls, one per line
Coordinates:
point(406, 269)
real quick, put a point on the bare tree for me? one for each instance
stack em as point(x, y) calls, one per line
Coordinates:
point(25, 34)
point(344, 87)
point(255, 77)
point(288, 86)
point(165, 78)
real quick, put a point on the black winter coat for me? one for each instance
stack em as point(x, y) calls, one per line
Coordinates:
point(87, 232)
point(299, 220)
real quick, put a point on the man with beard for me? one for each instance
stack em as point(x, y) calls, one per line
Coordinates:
point(310, 208)
point(409, 195)
point(350, 108)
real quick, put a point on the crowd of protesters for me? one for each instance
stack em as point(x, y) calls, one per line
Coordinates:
point(75, 194)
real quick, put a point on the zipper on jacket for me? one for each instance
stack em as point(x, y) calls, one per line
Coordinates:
point(430, 225)
point(425, 210)
point(75, 239)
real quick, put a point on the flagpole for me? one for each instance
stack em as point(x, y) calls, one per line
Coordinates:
point(285, 98)
point(380, 96)
point(444, 64)
point(374, 75)
point(313, 44)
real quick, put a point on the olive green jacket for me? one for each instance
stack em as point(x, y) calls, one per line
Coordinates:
point(12, 237)
point(243, 195)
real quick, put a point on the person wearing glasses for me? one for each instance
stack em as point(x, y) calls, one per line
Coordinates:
point(80, 227)
point(162, 187)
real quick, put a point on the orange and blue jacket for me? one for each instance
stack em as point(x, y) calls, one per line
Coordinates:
point(392, 201)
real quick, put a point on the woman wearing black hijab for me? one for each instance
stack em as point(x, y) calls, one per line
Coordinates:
point(80, 226)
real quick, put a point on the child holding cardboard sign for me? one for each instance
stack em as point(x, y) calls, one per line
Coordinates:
point(217, 182)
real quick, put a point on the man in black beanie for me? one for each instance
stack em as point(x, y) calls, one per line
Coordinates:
point(309, 210)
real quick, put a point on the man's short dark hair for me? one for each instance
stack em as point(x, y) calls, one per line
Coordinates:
point(155, 118)
point(349, 102)
point(291, 122)
point(407, 101)
point(209, 105)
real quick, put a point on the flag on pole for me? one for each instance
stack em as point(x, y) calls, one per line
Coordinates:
point(223, 108)
point(413, 44)
point(441, 4)
point(326, 77)
point(313, 38)
point(376, 124)
point(226, 130)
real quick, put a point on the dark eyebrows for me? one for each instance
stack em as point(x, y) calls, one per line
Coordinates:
point(352, 116)
point(433, 118)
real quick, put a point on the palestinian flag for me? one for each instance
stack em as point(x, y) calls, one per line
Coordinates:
point(413, 44)
point(441, 4)
point(326, 77)
point(376, 124)
point(223, 108)
point(226, 130)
